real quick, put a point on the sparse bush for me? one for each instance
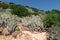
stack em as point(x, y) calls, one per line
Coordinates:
point(33, 22)
point(8, 21)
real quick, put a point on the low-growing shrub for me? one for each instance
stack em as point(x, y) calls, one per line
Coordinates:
point(52, 18)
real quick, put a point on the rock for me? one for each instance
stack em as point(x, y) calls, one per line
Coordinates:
point(5, 32)
point(54, 33)
point(26, 35)
point(14, 34)
point(23, 34)
point(1, 29)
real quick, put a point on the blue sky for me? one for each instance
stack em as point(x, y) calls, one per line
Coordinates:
point(40, 4)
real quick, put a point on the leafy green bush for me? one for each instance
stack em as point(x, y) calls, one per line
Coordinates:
point(4, 5)
point(52, 18)
point(18, 10)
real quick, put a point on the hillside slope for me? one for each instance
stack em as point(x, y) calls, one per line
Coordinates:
point(33, 19)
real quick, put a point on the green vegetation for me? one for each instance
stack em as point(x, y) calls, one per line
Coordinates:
point(34, 9)
point(18, 10)
point(3, 5)
point(52, 18)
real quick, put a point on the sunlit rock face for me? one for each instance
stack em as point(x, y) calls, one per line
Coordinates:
point(27, 35)
point(32, 36)
point(24, 34)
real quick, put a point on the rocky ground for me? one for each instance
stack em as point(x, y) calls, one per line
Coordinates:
point(23, 34)
point(13, 27)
